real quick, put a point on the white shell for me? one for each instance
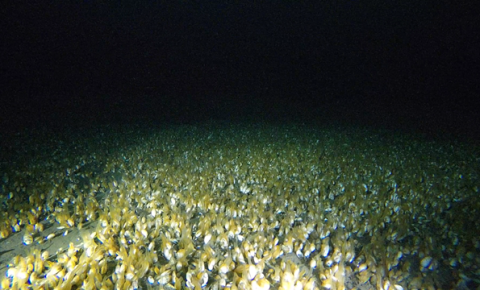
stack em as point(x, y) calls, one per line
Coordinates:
point(425, 262)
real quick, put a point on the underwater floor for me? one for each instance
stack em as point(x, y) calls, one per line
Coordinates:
point(238, 206)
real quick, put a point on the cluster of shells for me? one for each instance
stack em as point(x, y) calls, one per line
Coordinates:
point(242, 207)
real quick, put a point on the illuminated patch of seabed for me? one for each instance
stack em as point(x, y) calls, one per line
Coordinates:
point(381, 198)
